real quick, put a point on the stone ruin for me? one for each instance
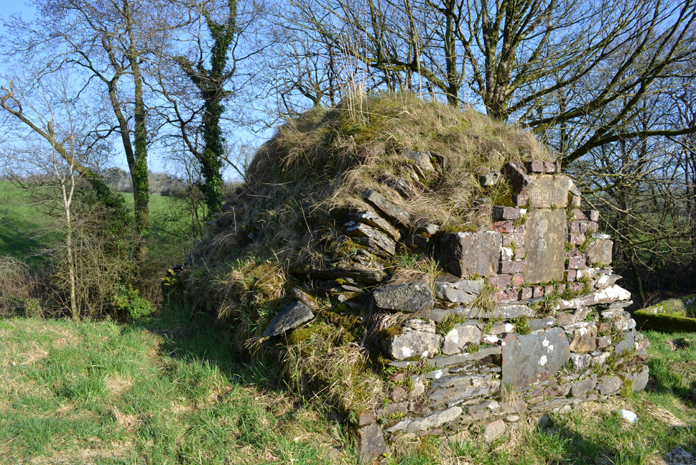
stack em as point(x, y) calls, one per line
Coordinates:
point(510, 309)
point(529, 320)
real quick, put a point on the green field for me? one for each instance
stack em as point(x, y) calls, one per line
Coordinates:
point(25, 225)
point(169, 391)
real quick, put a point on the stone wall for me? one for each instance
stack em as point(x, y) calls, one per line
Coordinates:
point(529, 320)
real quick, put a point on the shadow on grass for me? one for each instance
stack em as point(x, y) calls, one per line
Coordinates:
point(201, 338)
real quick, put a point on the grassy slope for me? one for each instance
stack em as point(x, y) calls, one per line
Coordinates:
point(82, 392)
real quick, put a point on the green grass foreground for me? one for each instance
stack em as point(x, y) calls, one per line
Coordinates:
point(160, 392)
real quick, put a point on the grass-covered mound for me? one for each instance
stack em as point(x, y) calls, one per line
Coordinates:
point(303, 185)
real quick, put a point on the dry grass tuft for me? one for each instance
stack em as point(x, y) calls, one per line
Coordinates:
point(116, 385)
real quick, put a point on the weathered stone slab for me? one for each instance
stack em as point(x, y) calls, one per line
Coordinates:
point(501, 311)
point(580, 361)
point(469, 253)
point(457, 290)
point(533, 357)
point(456, 359)
point(358, 273)
point(603, 296)
point(459, 337)
point(545, 243)
point(541, 323)
point(375, 238)
point(454, 389)
point(373, 219)
point(434, 420)
point(291, 316)
point(413, 344)
point(371, 443)
point(506, 213)
point(394, 213)
point(599, 253)
point(549, 191)
point(407, 297)
point(416, 324)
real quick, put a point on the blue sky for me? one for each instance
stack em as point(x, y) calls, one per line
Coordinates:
point(9, 8)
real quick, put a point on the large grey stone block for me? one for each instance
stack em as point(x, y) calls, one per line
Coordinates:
point(545, 239)
point(459, 337)
point(468, 253)
point(549, 191)
point(534, 357)
point(407, 297)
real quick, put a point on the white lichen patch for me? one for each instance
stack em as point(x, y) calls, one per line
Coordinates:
point(542, 360)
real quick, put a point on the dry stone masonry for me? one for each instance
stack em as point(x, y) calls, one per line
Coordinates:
point(530, 318)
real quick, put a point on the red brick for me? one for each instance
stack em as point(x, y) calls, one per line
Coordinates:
point(500, 281)
point(576, 263)
point(535, 166)
point(508, 239)
point(519, 178)
point(503, 226)
point(526, 293)
point(538, 291)
point(512, 267)
point(548, 289)
point(592, 227)
point(506, 295)
point(517, 279)
point(561, 288)
point(559, 169)
point(575, 201)
point(574, 227)
point(549, 167)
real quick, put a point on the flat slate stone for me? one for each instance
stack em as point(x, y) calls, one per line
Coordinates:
point(608, 295)
point(452, 359)
point(534, 357)
point(358, 273)
point(456, 290)
point(581, 388)
point(545, 239)
point(407, 297)
point(549, 191)
point(394, 213)
point(291, 316)
point(373, 219)
point(454, 389)
point(371, 237)
point(468, 253)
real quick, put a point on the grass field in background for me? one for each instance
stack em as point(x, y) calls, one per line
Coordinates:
point(165, 392)
point(24, 226)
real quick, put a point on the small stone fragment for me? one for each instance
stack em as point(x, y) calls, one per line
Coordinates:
point(581, 388)
point(457, 290)
point(413, 344)
point(610, 386)
point(489, 179)
point(506, 213)
point(494, 430)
